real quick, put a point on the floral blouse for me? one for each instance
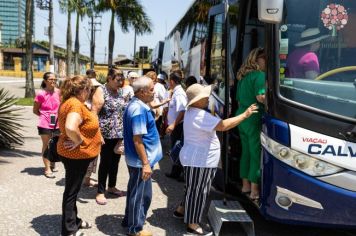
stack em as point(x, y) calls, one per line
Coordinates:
point(111, 115)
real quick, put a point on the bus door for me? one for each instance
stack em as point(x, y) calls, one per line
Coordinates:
point(216, 67)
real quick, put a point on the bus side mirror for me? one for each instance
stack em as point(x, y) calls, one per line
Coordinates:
point(270, 11)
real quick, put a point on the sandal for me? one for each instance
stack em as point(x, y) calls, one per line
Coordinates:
point(91, 183)
point(246, 194)
point(85, 225)
point(49, 175)
point(255, 200)
point(117, 192)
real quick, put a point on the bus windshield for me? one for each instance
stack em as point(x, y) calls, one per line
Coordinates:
point(317, 55)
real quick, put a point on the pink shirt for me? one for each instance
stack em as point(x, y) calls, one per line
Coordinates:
point(300, 61)
point(49, 103)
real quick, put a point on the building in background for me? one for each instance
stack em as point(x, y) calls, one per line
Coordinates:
point(12, 16)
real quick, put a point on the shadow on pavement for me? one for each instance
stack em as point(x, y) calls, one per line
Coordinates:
point(18, 153)
point(2, 162)
point(162, 217)
point(110, 224)
point(36, 171)
point(47, 225)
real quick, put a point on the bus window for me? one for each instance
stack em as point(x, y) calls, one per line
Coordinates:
point(254, 31)
point(317, 55)
point(217, 56)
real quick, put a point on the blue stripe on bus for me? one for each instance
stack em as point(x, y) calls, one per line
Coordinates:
point(277, 130)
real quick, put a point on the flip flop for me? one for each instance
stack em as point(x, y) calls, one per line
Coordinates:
point(255, 200)
point(85, 225)
point(247, 193)
point(49, 175)
point(118, 193)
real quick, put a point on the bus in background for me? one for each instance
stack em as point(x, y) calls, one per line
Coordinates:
point(308, 158)
point(156, 57)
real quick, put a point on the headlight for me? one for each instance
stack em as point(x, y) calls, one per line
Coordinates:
point(300, 161)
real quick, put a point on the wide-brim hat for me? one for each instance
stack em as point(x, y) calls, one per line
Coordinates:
point(94, 82)
point(196, 92)
point(132, 74)
point(309, 36)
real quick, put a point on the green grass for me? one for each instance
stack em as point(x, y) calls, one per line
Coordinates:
point(25, 102)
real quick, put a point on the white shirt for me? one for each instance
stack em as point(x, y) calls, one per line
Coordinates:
point(177, 104)
point(127, 91)
point(201, 145)
point(160, 94)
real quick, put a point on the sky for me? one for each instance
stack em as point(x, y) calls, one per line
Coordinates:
point(164, 15)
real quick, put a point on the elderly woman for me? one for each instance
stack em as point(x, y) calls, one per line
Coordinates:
point(251, 90)
point(79, 143)
point(46, 107)
point(110, 104)
point(200, 154)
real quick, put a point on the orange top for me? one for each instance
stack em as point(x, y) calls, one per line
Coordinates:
point(89, 131)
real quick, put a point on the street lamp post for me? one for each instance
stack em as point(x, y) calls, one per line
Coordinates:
point(48, 5)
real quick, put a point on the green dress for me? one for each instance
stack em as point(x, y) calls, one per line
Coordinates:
point(248, 88)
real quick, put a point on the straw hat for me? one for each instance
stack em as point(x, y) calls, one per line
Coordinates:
point(196, 92)
point(94, 82)
point(132, 74)
point(310, 36)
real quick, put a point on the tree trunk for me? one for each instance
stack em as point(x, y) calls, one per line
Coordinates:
point(69, 44)
point(111, 38)
point(76, 47)
point(50, 36)
point(29, 88)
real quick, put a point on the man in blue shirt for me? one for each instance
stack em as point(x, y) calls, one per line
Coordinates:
point(142, 150)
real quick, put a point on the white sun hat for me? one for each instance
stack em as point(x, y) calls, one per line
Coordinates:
point(196, 92)
point(133, 74)
point(310, 36)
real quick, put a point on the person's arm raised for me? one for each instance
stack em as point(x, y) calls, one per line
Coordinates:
point(233, 121)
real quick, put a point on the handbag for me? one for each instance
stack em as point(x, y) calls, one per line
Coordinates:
point(51, 151)
point(174, 153)
point(119, 147)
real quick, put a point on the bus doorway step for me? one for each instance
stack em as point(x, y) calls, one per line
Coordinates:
point(232, 212)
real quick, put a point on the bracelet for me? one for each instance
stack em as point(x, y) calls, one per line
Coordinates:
point(145, 164)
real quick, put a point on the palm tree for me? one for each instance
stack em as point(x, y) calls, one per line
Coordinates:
point(29, 88)
point(68, 6)
point(81, 8)
point(9, 121)
point(129, 13)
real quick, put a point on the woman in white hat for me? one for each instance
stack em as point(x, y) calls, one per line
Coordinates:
point(200, 154)
point(303, 61)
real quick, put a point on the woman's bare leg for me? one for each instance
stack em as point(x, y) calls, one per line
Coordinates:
point(47, 164)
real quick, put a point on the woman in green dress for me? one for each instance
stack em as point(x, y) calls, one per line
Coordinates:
point(251, 90)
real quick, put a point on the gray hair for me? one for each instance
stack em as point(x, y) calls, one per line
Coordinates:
point(143, 82)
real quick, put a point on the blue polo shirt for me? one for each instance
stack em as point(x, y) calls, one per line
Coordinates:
point(138, 120)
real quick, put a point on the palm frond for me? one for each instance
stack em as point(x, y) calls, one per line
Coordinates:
point(10, 118)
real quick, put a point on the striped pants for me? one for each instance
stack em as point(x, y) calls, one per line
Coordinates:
point(197, 187)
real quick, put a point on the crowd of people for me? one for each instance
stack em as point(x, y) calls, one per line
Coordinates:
point(129, 116)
